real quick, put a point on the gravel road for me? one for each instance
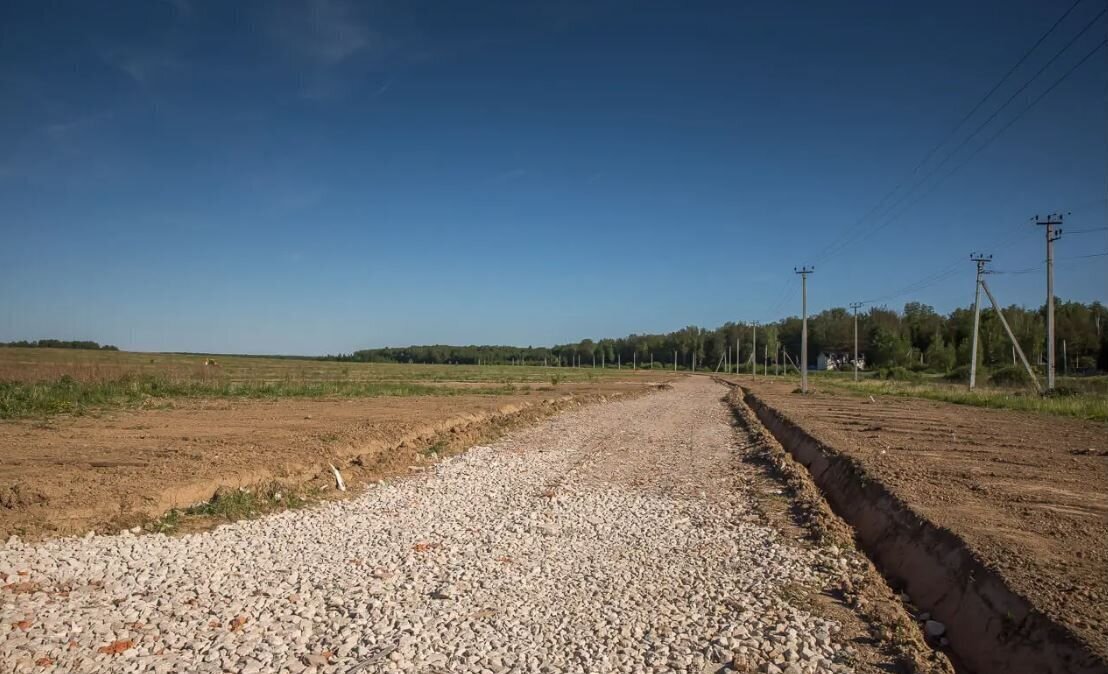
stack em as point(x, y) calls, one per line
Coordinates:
point(613, 538)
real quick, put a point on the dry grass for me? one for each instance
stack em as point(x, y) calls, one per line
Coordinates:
point(42, 382)
point(35, 365)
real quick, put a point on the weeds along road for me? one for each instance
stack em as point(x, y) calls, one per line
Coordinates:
point(614, 538)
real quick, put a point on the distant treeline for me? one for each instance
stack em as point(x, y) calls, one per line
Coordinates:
point(916, 337)
point(60, 344)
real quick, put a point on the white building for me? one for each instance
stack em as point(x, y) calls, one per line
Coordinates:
point(838, 361)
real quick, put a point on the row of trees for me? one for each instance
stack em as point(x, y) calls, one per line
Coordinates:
point(59, 344)
point(917, 336)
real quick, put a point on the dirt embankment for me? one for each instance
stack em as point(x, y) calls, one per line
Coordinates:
point(70, 475)
point(993, 521)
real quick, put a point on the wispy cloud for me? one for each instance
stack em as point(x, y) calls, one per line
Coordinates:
point(142, 65)
point(61, 130)
point(338, 47)
point(324, 32)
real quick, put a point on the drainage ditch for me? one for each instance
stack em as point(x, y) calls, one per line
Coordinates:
point(989, 626)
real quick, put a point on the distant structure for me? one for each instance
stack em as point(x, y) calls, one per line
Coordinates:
point(838, 361)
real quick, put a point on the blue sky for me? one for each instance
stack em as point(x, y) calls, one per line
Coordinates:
point(325, 175)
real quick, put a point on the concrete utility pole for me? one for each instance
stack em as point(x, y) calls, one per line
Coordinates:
point(1052, 235)
point(737, 361)
point(675, 360)
point(981, 261)
point(804, 271)
point(855, 306)
point(754, 350)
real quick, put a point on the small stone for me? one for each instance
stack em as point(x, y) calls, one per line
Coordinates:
point(934, 628)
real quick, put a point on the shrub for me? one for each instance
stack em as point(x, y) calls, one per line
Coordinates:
point(961, 373)
point(898, 373)
point(1010, 375)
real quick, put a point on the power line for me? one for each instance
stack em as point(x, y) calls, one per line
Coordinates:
point(835, 246)
point(922, 284)
point(1031, 105)
point(1029, 270)
point(1032, 270)
point(939, 276)
point(949, 271)
point(785, 293)
point(992, 138)
point(996, 86)
point(1020, 90)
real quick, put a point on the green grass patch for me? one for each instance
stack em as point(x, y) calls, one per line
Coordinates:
point(1067, 401)
point(66, 395)
point(233, 504)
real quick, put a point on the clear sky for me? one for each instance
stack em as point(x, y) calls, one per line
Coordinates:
point(325, 175)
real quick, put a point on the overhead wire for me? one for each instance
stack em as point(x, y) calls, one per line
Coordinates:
point(950, 270)
point(834, 246)
point(841, 243)
point(957, 167)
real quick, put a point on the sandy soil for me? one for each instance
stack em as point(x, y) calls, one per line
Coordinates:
point(70, 475)
point(1027, 492)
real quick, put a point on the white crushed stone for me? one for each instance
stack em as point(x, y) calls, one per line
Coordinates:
point(471, 567)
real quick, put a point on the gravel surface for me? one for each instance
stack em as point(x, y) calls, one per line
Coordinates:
point(613, 538)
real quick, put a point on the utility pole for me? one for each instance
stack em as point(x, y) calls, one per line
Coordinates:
point(675, 360)
point(855, 306)
point(981, 261)
point(1052, 235)
point(737, 361)
point(804, 271)
point(754, 351)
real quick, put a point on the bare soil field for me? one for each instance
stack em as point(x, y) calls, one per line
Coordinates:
point(641, 535)
point(119, 468)
point(1026, 493)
